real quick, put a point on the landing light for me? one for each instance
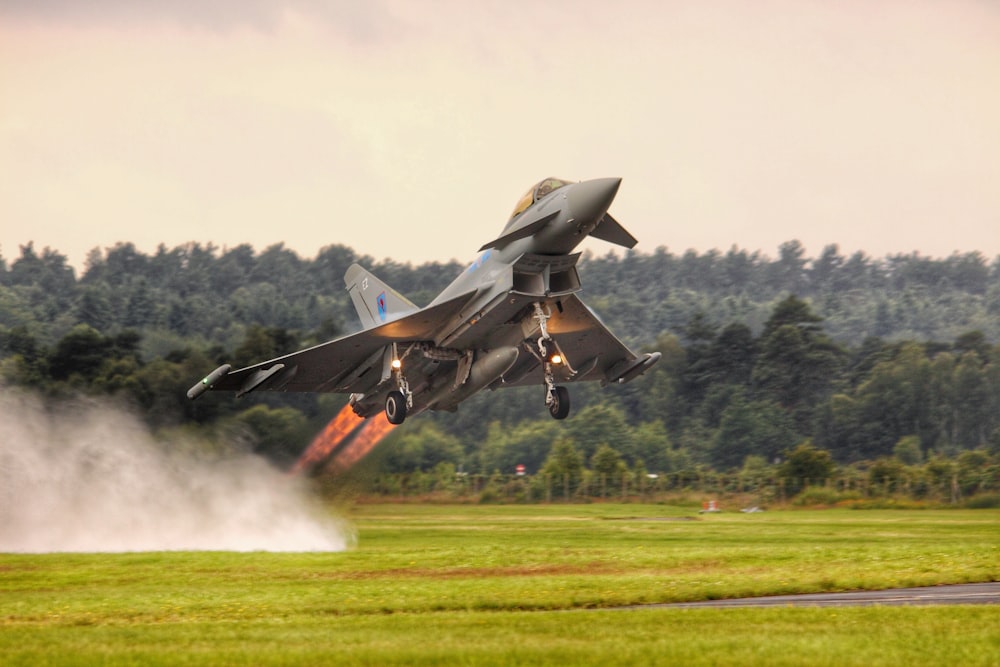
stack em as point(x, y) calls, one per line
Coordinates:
point(396, 364)
point(555, 359)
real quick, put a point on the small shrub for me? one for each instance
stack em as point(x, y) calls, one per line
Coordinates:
point(983, 501)
point(816, 495)
point(894, 503)
point(820, 496)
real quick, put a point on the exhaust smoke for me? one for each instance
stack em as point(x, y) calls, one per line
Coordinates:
point(87, 477)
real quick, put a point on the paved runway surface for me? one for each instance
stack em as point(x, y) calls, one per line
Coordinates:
point(958, 594)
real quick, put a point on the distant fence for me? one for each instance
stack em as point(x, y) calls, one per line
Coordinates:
point(591, 486)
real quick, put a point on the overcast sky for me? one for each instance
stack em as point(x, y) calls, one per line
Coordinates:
point(409, 129)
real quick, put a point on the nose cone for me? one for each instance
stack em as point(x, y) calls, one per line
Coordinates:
point(589, 200)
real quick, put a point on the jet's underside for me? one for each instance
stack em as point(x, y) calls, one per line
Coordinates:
point(512, 318)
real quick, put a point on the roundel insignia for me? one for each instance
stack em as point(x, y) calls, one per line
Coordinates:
point(380, 302)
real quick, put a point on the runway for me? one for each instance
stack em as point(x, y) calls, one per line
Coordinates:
point(988, 593)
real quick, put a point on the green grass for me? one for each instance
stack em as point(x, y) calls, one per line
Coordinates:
point(504, 585)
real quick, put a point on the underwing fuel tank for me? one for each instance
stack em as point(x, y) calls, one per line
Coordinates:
point(484, 371)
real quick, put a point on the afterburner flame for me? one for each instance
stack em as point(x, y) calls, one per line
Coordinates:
point(327, 440)
point(371, 434)
point(338, 432)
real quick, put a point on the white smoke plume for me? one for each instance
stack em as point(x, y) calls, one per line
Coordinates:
point(91, 478)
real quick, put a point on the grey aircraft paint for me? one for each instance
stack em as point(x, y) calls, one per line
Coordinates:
point(512, 318)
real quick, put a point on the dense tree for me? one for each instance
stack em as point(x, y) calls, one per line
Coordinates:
point(422, 449)
point(262, 343)
point(607, 461)
point(788, 274)
point(971, 401)
point(234, 268)
point(276, 432)
point(908, 451)
point(752, 428)
point(564, 465)
point(728, 359)
point(975, 471)
point(94, 308)
point(806, 465)
point(526, 444)
point(887, 475)
point(601, 424)
point(25, 363)
point(50, 271)
point(80, 353)
point(758, 353)
point(140, 308)
point(652, 445)
point(796, 362)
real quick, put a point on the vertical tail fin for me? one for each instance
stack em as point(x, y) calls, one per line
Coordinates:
point(376, 302)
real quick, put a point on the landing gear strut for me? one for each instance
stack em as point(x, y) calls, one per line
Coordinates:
point(398, 401)
point(556, 398)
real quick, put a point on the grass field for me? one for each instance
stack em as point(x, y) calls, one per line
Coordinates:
point(520, 584)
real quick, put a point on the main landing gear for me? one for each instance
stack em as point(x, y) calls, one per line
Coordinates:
point(558, 402)
point(398, 401)
point(395, 407)
point(556, 398)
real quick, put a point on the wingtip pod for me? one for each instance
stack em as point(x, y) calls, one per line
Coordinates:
point(634, 369)
point(207, 381)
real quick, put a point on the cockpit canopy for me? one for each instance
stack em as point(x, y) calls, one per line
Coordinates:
point(536, 192)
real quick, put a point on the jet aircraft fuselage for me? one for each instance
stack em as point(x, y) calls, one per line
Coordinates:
point(511, 318)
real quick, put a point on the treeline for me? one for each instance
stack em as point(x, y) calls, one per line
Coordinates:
point(849, 354)
point(809, 477)
point(722, 396)
point(210, 295)
point(898, 297)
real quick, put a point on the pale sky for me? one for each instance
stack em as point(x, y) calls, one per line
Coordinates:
point(409, 129)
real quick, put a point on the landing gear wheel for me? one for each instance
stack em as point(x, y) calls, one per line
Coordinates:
point(559, 403)
point(395, 407)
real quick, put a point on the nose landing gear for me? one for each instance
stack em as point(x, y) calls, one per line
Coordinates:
point(556, 397)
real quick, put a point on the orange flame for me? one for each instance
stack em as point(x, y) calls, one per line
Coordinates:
point(368, 437)
point(327, 440)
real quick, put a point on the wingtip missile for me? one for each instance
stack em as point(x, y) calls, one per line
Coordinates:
point(207, 381)
point(628, 371)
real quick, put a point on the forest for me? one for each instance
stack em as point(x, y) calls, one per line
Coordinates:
point(854, 360)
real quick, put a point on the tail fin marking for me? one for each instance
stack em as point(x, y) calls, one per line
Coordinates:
point(376, 302)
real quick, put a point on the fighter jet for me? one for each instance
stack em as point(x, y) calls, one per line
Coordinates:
point(512, 318)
